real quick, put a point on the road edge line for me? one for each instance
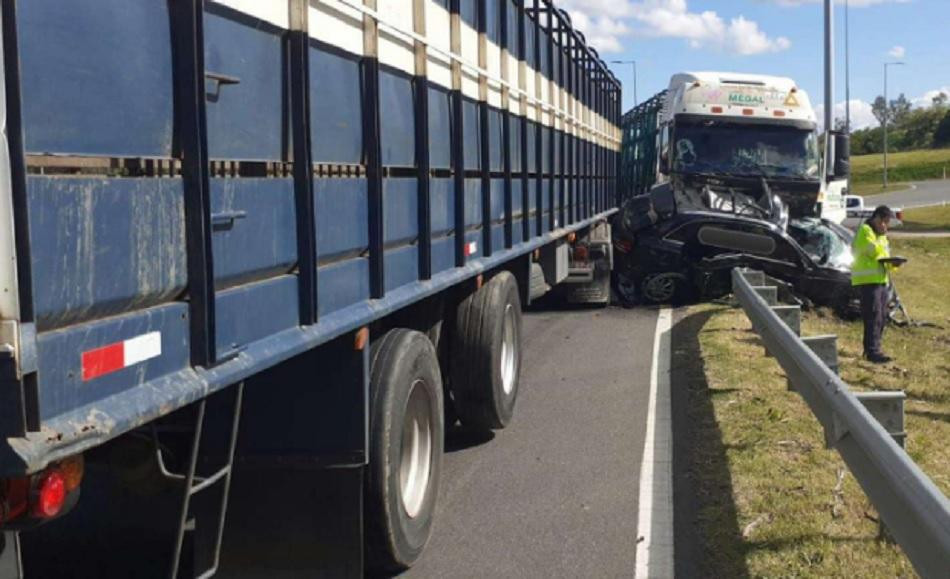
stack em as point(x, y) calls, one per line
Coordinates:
point(655, 506)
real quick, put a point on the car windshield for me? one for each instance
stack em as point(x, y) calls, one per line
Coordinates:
point(751, 150)
point(822, 244)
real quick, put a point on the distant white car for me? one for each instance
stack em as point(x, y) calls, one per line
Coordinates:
point(858, 213)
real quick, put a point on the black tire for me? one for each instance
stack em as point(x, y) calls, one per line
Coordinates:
point(665, 288)
point(398, 523)
point(484, 393)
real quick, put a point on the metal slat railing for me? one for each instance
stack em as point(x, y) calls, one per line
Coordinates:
point(916, 513)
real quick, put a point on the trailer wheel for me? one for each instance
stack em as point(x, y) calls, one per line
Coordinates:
point(486, 354)
point(406, 440)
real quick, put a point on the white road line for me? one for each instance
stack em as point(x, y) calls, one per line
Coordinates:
point(655, 520)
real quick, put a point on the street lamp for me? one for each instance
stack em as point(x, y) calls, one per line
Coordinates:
point(887, 114)
point(847, 69)
point(634, 63)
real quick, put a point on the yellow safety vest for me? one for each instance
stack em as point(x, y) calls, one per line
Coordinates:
point(868, 248)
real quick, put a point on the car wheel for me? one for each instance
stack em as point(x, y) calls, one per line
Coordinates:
point(663, 288)
point(625, 289)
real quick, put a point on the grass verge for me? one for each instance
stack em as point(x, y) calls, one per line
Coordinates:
point(872, 189)
point(794, 508)
point(867, 171)
point(935, 218)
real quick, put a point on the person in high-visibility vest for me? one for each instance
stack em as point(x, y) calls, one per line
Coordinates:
point(871, 276)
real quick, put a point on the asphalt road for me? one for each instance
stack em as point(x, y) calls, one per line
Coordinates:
point(922, 194)
point(556, 493)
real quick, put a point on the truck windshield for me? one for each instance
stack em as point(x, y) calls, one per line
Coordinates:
point(745, 150)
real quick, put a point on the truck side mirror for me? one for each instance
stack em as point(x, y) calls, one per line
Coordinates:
point(842, 143)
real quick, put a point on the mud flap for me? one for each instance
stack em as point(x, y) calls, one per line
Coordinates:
point(10, 563)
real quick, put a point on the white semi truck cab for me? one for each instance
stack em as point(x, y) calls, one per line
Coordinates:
point(749, 144)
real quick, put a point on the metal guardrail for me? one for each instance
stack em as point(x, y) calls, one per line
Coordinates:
point(914, 510)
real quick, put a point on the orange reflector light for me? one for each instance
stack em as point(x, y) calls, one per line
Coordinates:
point(361, 339)
point(748, 112)
point(51, 495)
point(779, 113)
point(717, 110)
point(72, 470)
point(571, 237)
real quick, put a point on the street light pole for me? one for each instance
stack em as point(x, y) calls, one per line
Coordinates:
point(636, 101)
point(829, 87)
point(887, 113)
point(847, 69)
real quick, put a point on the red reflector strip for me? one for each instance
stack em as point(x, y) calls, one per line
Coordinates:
point(717, 110)
point(748, 112)
point(780, 113)
point(115, 357)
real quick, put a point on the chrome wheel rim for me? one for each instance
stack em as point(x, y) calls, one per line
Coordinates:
point(416, 457)
point(508, 351)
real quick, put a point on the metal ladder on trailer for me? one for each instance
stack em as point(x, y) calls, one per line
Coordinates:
point(188, 538)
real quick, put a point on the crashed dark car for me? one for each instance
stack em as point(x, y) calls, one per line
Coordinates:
point(669, 256)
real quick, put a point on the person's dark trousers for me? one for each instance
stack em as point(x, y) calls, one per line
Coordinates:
point(874, 314)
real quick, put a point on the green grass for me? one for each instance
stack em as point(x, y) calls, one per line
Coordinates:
point(780, 509)
point(867, 171)
point(935, 218)
point(871, 189)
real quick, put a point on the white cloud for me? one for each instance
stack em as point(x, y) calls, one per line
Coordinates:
point(927, 99)
point(862, 116)
point(851, 3)
point(897, 52)
point(607, 22)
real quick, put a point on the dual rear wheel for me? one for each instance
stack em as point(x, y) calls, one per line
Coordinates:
point(407, 417)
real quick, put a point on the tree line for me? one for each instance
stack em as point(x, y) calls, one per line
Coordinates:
point(908, 128)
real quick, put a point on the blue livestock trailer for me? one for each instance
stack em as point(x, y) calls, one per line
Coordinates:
point(256, 256)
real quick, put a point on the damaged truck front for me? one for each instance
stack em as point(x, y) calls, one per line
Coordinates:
point(723, 170)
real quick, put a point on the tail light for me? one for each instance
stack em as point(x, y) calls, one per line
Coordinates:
point(581, 253)
point(42, 495)
point(50, 495)
point(623, 245)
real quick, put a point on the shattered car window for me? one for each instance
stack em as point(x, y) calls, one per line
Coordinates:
point(821, 243)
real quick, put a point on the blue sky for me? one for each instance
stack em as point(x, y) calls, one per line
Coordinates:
point(773, 37)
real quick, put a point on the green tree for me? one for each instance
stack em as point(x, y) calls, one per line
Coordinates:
point(942, 132)
point(879, 109)
point(900, 108)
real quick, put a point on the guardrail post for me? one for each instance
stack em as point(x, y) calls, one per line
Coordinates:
point(888, 409)
point(755, 278)
point(791, 316)
point(826, 348)
point(768, 293)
